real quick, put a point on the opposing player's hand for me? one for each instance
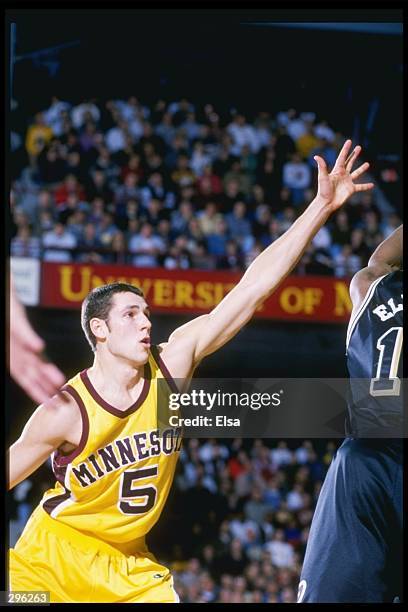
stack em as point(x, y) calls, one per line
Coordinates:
point(338, 185)
point(39, 379)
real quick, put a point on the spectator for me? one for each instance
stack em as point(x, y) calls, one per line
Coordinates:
point(237, 174)
point(53, 116)
point(191, 127)
point(155, 188)
point(199, 159)
point(324, 132)
point(322, 239)
point(297, 177)
point(178, 257)
point(242, 134)
point(38, 135)
point(84, 112)
point(183, 175)
point(281, 552)
point(201, 260)
point(181, 218)
point(24, 244)
point(346, 263)
point(238, 224)
point(307, 142)
point(232, 260)
point(326, 150)
point(268, 178)
point(105, 163)
point(76, 222)
point(51, 167)
point(58, 244)
point(118, 247)
point(146, 247)
point(149, 137)
point(98, 187)
point(165, 129)
point(341, 230)
point(255, 508)
point(209, 184)
point(209, 218)
point(106, 230)
point(218, 238)
point(231, 194)
point(69, 186)
point(128, 190)
point(116, 137)
point(281, 455)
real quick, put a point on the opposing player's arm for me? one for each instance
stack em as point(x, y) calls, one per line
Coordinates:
point(386, 258)
point(189, 344)
point(47, 429)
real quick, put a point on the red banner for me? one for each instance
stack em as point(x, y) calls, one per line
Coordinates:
point(298, 298)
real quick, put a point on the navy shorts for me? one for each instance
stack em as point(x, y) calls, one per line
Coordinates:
point(354, 549)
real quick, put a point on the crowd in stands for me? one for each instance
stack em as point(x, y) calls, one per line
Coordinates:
point(179, 186)
point(236, 525)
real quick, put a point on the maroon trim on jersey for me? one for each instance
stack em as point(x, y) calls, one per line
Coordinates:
point(58, 469)
point(170, 380)
point(50, 504)
point(115, 411)
point(61, 459)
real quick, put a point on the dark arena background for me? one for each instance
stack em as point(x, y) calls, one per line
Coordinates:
point(173, 146)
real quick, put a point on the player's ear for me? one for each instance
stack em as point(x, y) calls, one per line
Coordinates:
point(99, 328)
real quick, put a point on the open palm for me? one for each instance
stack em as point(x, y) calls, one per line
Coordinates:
point(339, 185)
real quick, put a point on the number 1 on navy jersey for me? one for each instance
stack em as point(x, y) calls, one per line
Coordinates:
point(386, 381)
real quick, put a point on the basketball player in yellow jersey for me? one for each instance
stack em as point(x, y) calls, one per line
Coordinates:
point(112, 462)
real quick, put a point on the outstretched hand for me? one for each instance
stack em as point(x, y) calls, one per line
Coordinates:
point(39, 379)
point(339, 185)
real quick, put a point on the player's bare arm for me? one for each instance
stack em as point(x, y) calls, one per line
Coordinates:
point(189, 344)
point(55, 424)
point(386, 258)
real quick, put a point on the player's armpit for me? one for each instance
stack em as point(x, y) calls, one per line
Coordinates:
point(51, 425)
point(190, 343)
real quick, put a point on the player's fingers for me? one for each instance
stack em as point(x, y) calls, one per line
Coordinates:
point(55, 377)
point(352, 158)
point(42, 377)
point(321, 164)
point(34, 389)
point(342, 156)
point(360, 170)
point(31, 340)
point(37, 393)
point(35, 380)
point(364, 187)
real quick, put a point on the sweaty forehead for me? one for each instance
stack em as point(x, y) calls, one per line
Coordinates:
point(127, 299)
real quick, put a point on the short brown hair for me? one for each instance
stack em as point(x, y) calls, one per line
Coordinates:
point(98, 304)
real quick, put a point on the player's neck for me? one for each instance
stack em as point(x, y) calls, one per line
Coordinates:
point(113, 374)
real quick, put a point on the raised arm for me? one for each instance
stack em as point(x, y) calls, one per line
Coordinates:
point(52, 424)
point(386, 258)
point(189, 344)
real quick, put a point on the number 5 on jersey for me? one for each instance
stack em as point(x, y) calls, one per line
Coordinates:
point(129, 494)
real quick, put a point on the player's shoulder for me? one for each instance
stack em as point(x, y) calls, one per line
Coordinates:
point(61, 407)
point(363, 280)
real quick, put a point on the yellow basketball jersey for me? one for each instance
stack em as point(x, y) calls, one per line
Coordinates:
point(116, 482)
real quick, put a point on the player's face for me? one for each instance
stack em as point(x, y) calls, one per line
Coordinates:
point(128, 334)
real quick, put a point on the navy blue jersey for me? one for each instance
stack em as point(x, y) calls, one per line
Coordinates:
point(374, 360)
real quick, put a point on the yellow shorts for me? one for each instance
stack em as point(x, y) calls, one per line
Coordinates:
point(75, 568)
